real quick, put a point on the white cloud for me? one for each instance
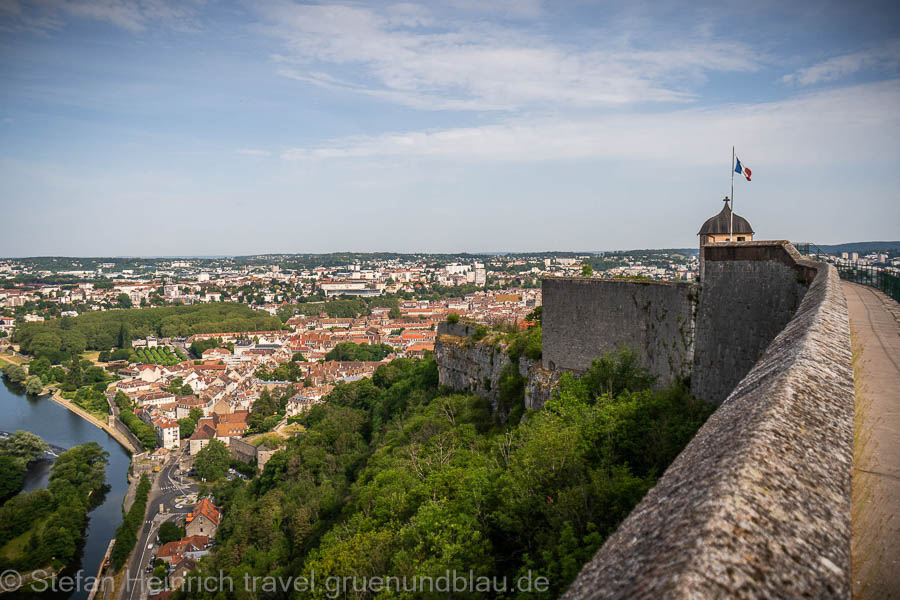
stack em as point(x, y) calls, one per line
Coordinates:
point(848, 125)
point(884, 57)
point(411, 57)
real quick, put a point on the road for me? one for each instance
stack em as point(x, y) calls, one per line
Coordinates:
point(167, 488)
point(875, 517)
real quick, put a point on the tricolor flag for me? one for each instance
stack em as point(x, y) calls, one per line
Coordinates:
point(739, 168)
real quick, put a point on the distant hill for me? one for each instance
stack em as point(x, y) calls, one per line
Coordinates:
point(861, 247)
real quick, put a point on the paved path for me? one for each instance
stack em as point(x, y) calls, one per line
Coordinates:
point(875, 548)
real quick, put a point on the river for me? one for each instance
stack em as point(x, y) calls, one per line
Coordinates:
point(60, 427)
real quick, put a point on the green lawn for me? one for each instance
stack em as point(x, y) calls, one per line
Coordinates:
point(16, 546)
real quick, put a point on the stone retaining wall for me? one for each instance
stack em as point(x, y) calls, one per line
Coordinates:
point(758, 504)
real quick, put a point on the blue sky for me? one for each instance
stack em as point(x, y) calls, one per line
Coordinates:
point(202, 127)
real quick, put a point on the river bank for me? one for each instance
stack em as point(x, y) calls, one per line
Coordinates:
point(93, 420)
point(60, 426)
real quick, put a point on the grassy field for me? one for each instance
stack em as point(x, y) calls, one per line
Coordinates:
point(91, 356)
point(9, 358)
point(16, 546)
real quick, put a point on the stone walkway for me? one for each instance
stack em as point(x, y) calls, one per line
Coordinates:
point(875, 547)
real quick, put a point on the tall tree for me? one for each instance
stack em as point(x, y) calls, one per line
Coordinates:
point(212, 461)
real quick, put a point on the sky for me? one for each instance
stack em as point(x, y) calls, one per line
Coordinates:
point(192, 127)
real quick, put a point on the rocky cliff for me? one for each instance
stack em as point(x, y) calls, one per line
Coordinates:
point(476, 367)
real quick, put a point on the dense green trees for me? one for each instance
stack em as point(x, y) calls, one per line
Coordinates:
point(348, 351)
point(12, 475)
point(289, 371)
point(187, 425)
point(34, 386)
point(170, 532)
point(16, 451)
point(23, 445)
point(268, 410)
point(392, 478)
point(143, 432)
point(60, 339)
point(14, 373)
point(126, 534)
point(525, 343)
point(92, 400)
point(56, 516)
point(213, 461)
point(201, 346)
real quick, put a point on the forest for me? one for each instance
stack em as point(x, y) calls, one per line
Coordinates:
point(395, 476)
point(43, 527)
point(60, 339)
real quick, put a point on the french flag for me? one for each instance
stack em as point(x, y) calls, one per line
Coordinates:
point(739, 168)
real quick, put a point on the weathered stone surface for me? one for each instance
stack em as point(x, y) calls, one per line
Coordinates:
point(583, 319)
point(474, 367)
point(758, 504)
point(469, 366)
point(750, 291)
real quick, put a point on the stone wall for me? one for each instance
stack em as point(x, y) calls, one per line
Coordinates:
point(123, 429)
point(584, 319)
point(758, 504)
point(750, 291)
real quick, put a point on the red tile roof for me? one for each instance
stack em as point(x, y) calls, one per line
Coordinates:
point(206, 508)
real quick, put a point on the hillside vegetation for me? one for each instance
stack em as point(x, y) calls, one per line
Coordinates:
point(394, 477)
point(44, 527)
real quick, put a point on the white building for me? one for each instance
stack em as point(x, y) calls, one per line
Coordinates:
point(167, 432)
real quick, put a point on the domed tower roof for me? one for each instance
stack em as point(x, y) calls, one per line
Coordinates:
point(721, 223)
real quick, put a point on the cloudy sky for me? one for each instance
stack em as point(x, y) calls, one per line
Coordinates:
point(157, 127)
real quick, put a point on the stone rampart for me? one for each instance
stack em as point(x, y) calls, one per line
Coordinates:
point(758, 504)
point(584, 318)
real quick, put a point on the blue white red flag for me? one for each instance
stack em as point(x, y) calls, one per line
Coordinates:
point(739, 168)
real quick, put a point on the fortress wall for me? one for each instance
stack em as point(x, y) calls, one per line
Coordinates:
point(586, 318)
point(750, 291)
point(758, 503)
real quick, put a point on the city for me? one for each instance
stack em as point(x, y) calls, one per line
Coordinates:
point(316, 299)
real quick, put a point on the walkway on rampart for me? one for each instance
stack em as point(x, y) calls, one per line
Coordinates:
point(875, 548)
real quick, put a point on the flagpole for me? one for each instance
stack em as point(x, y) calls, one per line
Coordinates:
point(731, 224)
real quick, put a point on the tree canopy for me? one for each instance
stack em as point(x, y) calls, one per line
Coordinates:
point(60, 339)
point(212, 461)
point(392, 477)
point(348, 351)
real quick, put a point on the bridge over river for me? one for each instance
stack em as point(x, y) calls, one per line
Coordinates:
point(875, 519)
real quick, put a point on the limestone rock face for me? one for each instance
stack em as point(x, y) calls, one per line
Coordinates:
point(474, 367)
